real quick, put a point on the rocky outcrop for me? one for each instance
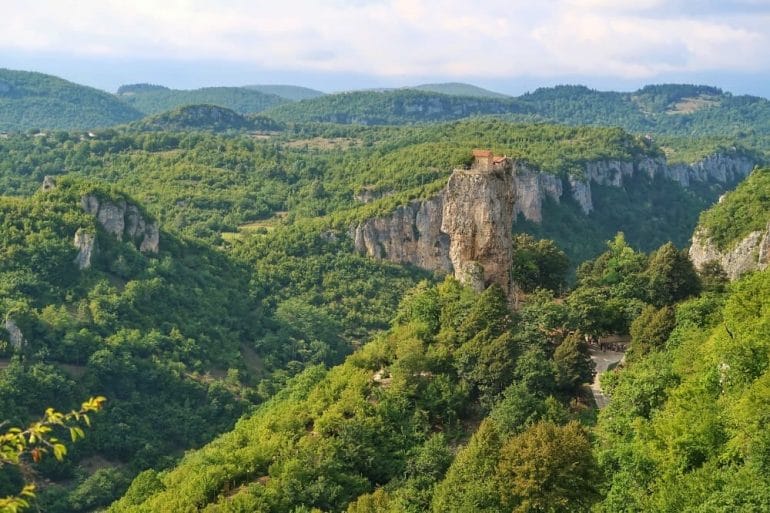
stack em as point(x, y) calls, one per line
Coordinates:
point(15, 335)
point(718, 168)
point(410, 235)
point(752, 253)
point(124, 221)
point(466, 229)
point(448, 232)
point(531, 189)
point(49, 183)
point(84, 242)
point(478, 218)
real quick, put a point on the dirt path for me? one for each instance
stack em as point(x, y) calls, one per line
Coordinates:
point(604, 360)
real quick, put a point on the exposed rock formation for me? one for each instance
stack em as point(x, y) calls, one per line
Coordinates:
point(532, 188)
point(123, 219)
point(717, 168)
point(750, 254)
point(420, 234)
point(410, 235)
point(84, 242)
point(466, 229)
point(14, 334)
point(49, 182)
point(478, 218)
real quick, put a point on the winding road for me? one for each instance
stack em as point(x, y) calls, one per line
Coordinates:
point(604, 360)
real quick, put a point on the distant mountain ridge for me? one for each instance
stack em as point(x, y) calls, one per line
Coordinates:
point(459, 89)
point(151, 99)
point(38, 101)
point(30, 100)
point(290, 92)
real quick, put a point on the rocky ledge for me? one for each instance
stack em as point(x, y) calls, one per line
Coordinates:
point(752, 253)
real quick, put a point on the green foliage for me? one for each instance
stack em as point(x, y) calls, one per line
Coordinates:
point(154, 100)
point(204, 117)
point(393, 107)
point(573, 363)
point(547, 468)
point(538, 264)
point(177, 333)
point(651, 330)
point(685, 427)
point(37, 101)
point(19, 446)
point(744, 210)
point(290, 92)
point(459, 89)
point(671, 276)
point(365, 434)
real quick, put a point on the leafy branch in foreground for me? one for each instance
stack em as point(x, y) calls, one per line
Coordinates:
point(18, 446)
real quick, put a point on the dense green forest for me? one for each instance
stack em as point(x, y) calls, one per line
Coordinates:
point(222, 187)
point(445, 412)
point(392, 107)
point(37, 101)
point(205, 118)
point(255, 361)
point(192, 335)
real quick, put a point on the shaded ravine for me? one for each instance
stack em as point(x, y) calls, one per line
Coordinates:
point(604, 360)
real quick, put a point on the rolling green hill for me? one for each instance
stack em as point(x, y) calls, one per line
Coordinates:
point(459, 89)
point(392, 107)
point(290, 92)
point(36, 101)
point(206, 118)
point(156, 99)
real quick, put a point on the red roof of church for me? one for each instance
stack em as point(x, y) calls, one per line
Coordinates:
point(482, 153)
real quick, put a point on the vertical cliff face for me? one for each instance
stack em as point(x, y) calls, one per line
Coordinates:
point(752, 253)
point(454, 231)
point(531, 189)
point(466, 229)
point(478, 218)
point(410, 235)
point(85, 243)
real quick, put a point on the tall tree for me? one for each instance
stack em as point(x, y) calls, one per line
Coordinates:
point(547, 469)
point(671, 276)
point(573, 363)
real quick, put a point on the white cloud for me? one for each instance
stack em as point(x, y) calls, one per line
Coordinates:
point(495, 38)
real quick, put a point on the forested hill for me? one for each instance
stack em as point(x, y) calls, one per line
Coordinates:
point(206, 118)
point(155, 99)
point(671, 109)
point(393, 107)
point(37, 101)
point(180, 337)
point(459, 89)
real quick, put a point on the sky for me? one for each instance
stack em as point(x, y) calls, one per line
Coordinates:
point(510, 46)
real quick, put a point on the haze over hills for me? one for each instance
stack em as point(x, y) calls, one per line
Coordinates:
point(290, 92)
point(458, 89)
point(33, 100)
point(154, 99)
